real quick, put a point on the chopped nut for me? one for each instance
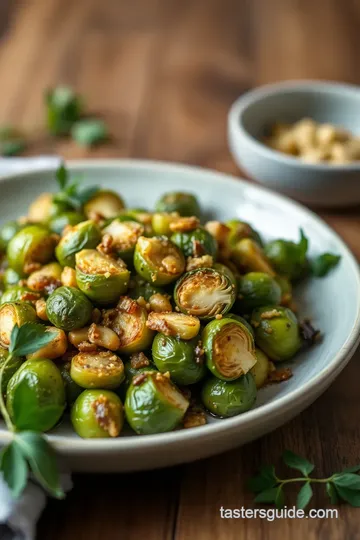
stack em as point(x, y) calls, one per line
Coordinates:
point(138, 379)
point(279, 375)
point(194, 419)
point(68, 277)
point(184, 224)
point(40, 307)
point(96, 315)
point(107, 244)
point(139, 360)
point(206, 261)
point(160, 303)
point(85, 346)
point(271, 314)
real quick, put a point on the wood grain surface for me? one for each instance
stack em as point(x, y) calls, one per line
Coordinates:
point(163, 74)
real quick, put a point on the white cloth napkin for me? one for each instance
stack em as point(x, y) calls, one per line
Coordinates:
point(18, 518)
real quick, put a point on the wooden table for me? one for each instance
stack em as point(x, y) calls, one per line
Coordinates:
point(163, 74)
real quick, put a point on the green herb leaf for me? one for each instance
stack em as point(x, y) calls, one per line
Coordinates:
point(86, 194)
point(349, 495)
point(62, 176)
point(304, 495)
point(331, 491)
point(354, 469)
point(347, 480)
point(264, 480)
point(89, 132)
point(29, 338)
point(303, 244)
point(321, 265)
point(63, 109)
point(14, 468)
point(267, 496)
point(297, 462)
point(42, 461)
point(12, 141)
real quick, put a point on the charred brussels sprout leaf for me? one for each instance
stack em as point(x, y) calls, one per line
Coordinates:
point(320, 266)
point(226, 399)
point(257, 289)
point(195, 243)
point(158, 260)
point(288, 258)
point(97, 414)
point(153, 404)
point(204, 293)
point(105, 204)
point(33, 245)
point(277, 332)
point(85, 235)
point(182, 359)
point(102, 369)
point(36, 395)
point(185, 204)
point(100, 277)
point(68, 308)
point(229, 348)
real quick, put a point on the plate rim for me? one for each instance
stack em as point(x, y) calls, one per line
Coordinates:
point(264, 413)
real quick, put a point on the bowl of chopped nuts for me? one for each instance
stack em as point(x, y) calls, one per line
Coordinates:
point(301, 138)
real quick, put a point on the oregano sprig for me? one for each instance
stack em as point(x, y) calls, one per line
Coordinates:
point(270, 489)
point(28, 451)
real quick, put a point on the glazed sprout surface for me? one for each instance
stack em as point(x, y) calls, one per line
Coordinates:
point(156, 317)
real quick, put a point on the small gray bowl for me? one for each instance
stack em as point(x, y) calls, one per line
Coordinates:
point(316, 184)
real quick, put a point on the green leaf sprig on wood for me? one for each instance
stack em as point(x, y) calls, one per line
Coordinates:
point(270, 489)
point(28, 451)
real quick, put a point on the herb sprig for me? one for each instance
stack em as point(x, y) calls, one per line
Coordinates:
point(71, 193)
point(28, 450)
point(269, 488)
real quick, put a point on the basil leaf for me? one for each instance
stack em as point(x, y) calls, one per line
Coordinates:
point(29, 338)
point(349, 495)
point(297, 462)
point(347, 480)
point(321, 265)
point(264, 480)
point(354, 469)
point(14, 468)
point(267, 496)
point(42, 461)
point(62, 176)
point(331, 491)
point(63, 109)
point(304, 496)
point(89, 132)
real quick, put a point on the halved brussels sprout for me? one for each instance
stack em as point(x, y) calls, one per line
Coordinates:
point(40, 209)
point(277, 332)
point(13, 313)
point(100, 277)
point(18, 294)
point(133, 368)
point(11, 278)
point(185, 204)
point(58, 223)
point(239, 230)
point(104, 204)
point(158, 260)
point(85, 235)
point(102, 369)
point(175, 324)
point(262, 368)
point(45, 280)
point(30, 248)
point(243, 321)
point(226, 399)
point(257, 289)
point(184, 360)
point(195, 243)
point(35, 396)
point(139, 287)
point(68, 308)
point(7, 232)
point(56, 348)
point(249, 257)
point(204, 293)
point(124, 235)
point(288, 258)
point(137, 214)
point(97, 414)
point(11, 367)
point(129, 323)
point(161, 222)
point(229, 348)
point(153, 404)
point(224, 269)
point(72, 390)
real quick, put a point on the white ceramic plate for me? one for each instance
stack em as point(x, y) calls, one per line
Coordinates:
point(332, 303)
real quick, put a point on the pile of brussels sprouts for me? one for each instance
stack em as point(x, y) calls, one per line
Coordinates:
point(156, 318)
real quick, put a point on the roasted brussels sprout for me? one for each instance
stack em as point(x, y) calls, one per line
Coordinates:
point(138, 287)
point(239, 230)
point(161, 222)
point(229, 348)
point(102, 369)
point(286, 290)
point(58, 223)
point(288, 258)
point(184, 360)
point(158, 260)
point(41, 208)
point(129, 323)
point(72, 390)
point(13, 313)
point(11, 367)
point(195, 243)
point(11, 278)
point(100, 277)
point(227, 271)
point(68, 308)
point(45, 280)
point(124, 235)
point(133, 368)
point(174, 324)
point(262, 368)
point(85, 235)
point(104, 204)
point(97, 414)
point(249, 257)
point(204, 293)
point(18, 294)
point(226, 399)
point(7, 232)
point(185, 204)
point(57, 346)
point(35, 396)
point(257, 289)
point(153, 404)
point(276, 332)
point(243, 321)
point(30, 248)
